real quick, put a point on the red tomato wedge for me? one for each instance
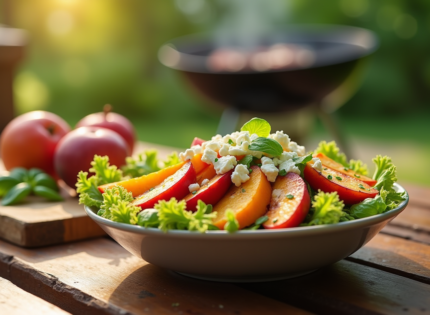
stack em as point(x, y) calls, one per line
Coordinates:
point(350, 189)
point(327, 162)
point(290, 202)
point(175, 186)
point(210, 193)
point(197, 141)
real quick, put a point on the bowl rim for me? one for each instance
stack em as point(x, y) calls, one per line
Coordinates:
point(250, 234)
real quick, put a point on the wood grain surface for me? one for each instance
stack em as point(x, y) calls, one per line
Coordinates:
point(15, 301)
point(100, 277)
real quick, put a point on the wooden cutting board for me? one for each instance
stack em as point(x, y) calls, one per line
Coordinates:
point(38, 223)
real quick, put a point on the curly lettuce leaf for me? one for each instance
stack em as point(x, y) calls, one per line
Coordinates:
point(86, 187)
point(104, 172)
point(173, 216)
point(115, 202)
point(359, 167)
point(331, 150)
point(326, 209)
point(146, 163)
point(172, 159)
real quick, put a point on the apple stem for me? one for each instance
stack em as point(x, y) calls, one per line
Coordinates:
point(51, 129)
point(107, 109)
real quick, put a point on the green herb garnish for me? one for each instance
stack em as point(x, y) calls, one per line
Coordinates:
point(289, 196)
point(338, 178)
point(329, 176)
point(282, 172)
point(266, 145)
point(258, 126)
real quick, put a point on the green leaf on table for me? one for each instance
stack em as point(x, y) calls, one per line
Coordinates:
point(266, 145)
point(16, 194)
point(6, 183)
point(331, 150)
point(43, 179)
point(47, 193)
point(258, 126)
point(19, 173)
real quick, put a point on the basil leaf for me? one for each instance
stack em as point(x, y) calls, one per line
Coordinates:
point(266, 145)
point(16, 194)
point(368, 207)
point(44, 179)
point(19, 173)
point(47, 193)
point(262, 219)
point(6, 183)
point(257, 125)
point(301, 162)
point(246, 160)
point(148, 218)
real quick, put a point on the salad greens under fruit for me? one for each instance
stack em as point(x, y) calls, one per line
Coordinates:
point(254, 150)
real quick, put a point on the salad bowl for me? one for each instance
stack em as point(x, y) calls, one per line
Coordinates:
point(248, 255)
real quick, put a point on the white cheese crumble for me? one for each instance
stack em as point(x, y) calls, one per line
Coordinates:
point(317, 164)
point(187, 155)
point(285, 156)
point(224, 149)
point(209, 156)
point(290, 167)
point(240, 175)
point(271, 172)
point(282, 138)
point(276, 193)
point(205, 181)
point(224, 164)
point(299, 149)
point(197, 149)
point(193, 187)
point(213, 145)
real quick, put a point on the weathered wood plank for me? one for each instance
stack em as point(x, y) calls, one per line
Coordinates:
point(350, 288)
point(15, 301)
point(100, 277)
point(396, 255)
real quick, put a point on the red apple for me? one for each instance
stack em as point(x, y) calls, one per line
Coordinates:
point(350, 189)
point(290, 202)
point(210, 193)
point(77, 149)
point(112, 121)
point(30, 140)
point(175, 186)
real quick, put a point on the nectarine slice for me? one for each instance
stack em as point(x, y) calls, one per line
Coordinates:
point(207, 173)
point(327, 162)
point(350, 189)
point(139, 185)
point(290, 202)
point(175, 186)
point(210, 193)
point(248, 201)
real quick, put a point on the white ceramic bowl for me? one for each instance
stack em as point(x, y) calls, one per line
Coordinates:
point(247, 256)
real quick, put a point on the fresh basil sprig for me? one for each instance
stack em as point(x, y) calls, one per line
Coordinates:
point(266, 145)
point(21, 182)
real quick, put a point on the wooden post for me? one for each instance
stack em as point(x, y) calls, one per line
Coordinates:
point(12, 42)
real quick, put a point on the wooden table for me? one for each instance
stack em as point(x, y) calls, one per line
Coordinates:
point(390, 275)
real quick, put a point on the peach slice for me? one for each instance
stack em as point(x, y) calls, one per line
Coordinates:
point(175, 186)
point(248, 201)
point(350, 189)
point(207, 173)
point(327, 162)
point(139, 185)
point(290, 202)
point(210, 193)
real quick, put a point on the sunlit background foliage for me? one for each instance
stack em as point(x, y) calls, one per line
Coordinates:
point(85, 53)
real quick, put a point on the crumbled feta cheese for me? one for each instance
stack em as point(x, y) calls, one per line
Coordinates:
point(213, 145)
point(224, 164)
point(217, 138)
point(290, 167)
point(253, 136)
point(224, 149)
point(193, 187)
point(205, 181)
point(209, 156)
point(243, 136)
point(266, 160)
point(317, 164)
point(187, 155)
point(240, 175)
point(282, 138)
point(238, 150)
point(197, 149)
point(300, 150)
point(271, 172)
point(276, 193)
point(285, 156)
